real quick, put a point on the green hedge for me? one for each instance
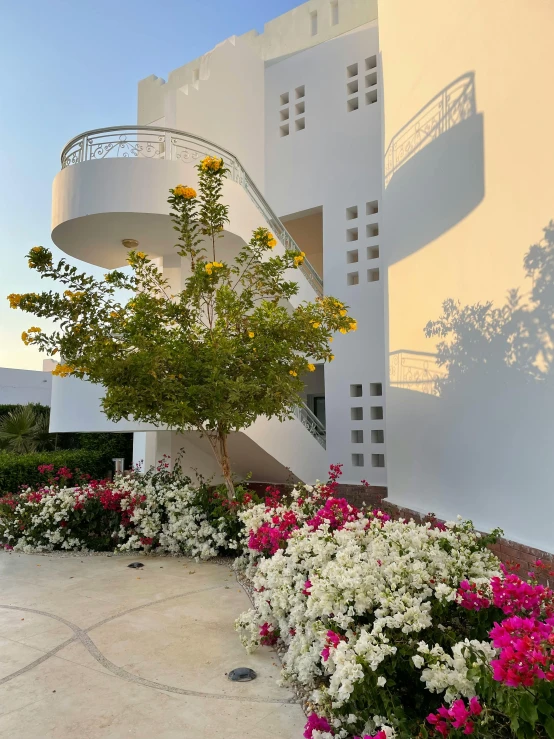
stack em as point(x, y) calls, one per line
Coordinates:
point(21, 469)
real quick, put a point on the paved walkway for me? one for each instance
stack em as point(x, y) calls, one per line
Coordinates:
point(91, 649)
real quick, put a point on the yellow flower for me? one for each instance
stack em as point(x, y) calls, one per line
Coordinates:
point(331, 338)
point(299, 259)
point(251, 334)
point(62, 370)
point(210, 266)
point(185, 192)
point(113, 314)
point(353, 326)
point(141, 254)
point(211, 163)
point(271, 240)
point(293, 373)
point(311, 367)
point(343, 330)
point(37, 249)
point(25, 338)
point(34, 330)
point(331, 357)
point(315, 324)
point(14, 299)
point(342, 313)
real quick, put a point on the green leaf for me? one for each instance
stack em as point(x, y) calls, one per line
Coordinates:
point(545, 707)
point(549, 727)
point(528, 709)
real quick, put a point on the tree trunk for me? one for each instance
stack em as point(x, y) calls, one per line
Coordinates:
point(219, 446)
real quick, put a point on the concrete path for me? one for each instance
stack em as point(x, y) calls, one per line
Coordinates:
point(91, 649)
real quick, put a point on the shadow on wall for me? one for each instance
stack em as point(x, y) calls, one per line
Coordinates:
point(478, 437)
point(434, 169)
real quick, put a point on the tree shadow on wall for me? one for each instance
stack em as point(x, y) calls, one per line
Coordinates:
point(481, 441)
point(434, 169)
point(508, 345)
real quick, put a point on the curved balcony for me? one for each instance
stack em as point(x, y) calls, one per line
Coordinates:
point(114, 184)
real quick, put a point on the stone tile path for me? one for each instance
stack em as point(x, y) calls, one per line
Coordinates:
point(91, 649)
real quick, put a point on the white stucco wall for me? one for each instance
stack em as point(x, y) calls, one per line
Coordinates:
point(335, 163)
point(19, 386)
point(460, 212)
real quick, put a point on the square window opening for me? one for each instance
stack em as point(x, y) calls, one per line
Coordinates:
point(352, 278)
point(376, 413)
point(373, 252)
point(284, 114)
point(357, 460)
point(377, 460)
point(352, 256)
point(377, 436)
point(284, 98)
point(352, 213)
point(373, 275)
point(352, 70)
point(371, 62)
point(300, 108)
point(371, 97)
point(352, 87)
point(352, 234)
point(284, 130)
point(357, 413)
point(300, 124)
point(300, 92)
point(371, 79)
point(372, 230)
point(372, 207)
point(352, 104)
point(357, 436)
point(356, 391)
point(375, 388)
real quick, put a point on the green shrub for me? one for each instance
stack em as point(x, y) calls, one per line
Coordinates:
point(22, 469)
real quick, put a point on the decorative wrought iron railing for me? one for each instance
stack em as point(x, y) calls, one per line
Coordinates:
point(449, 107)
point(166, 143)
point(415, 371)
point(311, 422)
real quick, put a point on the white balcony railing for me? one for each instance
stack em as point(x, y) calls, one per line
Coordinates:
point(311, 422)
point(166, 143)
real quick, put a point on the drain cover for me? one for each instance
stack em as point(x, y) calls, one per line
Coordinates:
point(242, 674)
point(135, 565)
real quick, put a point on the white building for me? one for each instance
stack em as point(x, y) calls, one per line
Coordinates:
point(406, 147)
point(19, 387)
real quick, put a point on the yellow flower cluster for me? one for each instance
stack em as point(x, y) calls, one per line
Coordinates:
point(315, 324)
point(74, 295)
point(185, 192)
point(299, 259)
point(311, 367)
point(293, 373)
point(266, 236)
point(210, 266)
point(271, 240)
point(15, 300)
point(251, 334)
point(211, 163)
point(62, 370)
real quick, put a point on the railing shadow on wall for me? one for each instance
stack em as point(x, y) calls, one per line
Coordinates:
point(452, 105)
point(416, 371)
point(434, 170)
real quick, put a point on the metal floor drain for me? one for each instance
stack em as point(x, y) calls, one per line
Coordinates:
point(242, 675)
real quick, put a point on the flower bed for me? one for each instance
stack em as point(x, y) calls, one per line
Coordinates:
point(393, 628)
point(159, 511)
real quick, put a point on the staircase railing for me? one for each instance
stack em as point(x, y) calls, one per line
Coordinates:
point(151, 142)
point(311, 422)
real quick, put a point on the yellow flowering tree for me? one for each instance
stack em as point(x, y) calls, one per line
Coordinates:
point(223, 351)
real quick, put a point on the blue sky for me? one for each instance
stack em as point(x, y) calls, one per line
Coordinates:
point(69, 66)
